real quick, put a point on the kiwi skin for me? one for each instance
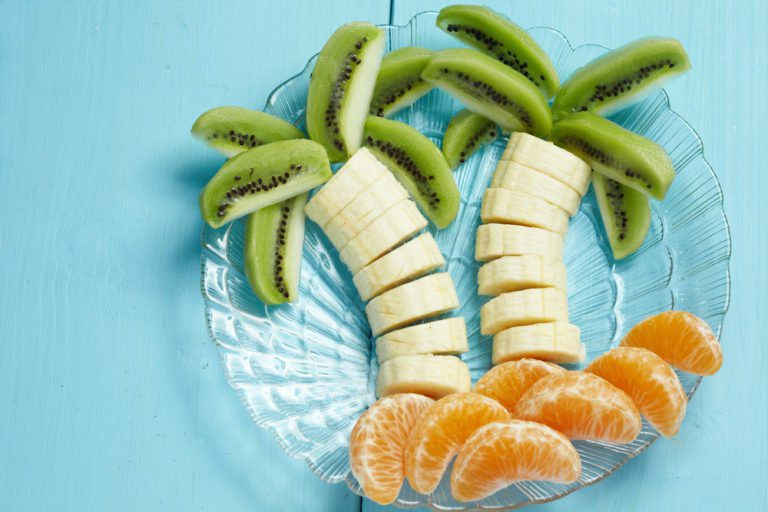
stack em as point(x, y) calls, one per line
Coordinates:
point(418, 164)
point(626, 215)
point(465, 134)
point(399, 82)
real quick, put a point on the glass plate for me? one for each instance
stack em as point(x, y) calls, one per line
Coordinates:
point(306, 371)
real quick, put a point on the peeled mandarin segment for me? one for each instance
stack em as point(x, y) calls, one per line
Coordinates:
point(441, 432)
point(680, 338)
point(581, 406)
point(507, 382)
point(378, 441)
point(502, 453)
point(649, 381)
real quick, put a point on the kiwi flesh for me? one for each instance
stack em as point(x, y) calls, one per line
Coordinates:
point(263, 176)
point(232, 130)
point(399, 82)
point(465, 134)
point(622, 76)
point(418, 164)
point(274, 239)
point(616, 152)
point(626, 215)
point(495, 35)
point(341, 88)
point(489, 88)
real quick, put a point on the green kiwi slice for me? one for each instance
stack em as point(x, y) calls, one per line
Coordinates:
point(232, 130)
point(489, 88)
point(497, 36)
point(341, 88)
point(417, 164)
point(465, 134)
point(274, 239)
point(626, 215)
point(399, 81)
point(622, 76)
point(616, 152)
point(263, 176)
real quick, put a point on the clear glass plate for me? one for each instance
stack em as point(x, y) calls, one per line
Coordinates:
point(306, 371)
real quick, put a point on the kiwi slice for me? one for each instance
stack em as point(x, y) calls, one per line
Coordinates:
point(341, 88)
point(274, 239)
point(399, 81)
point(232, 130)
point(491, 89)
point(497, 36)
point(263, 176)
point(616, 152)
point(620, 77)
point(626, 215)
point(417, 164)
point(465, 134)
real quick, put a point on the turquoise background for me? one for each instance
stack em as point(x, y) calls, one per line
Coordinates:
point(110, 390)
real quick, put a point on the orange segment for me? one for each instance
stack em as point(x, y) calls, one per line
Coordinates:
point(378, 441)
point(501, 453)
point(507, 382)
point(441, 431)
point(581, 406)
point(680, 338)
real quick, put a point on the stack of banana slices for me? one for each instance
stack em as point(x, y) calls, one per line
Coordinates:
point(536, 187)
point(370, 219)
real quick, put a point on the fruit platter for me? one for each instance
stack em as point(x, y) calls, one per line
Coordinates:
point(462, 265)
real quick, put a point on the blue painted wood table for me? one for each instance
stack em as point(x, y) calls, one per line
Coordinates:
point(110, 390)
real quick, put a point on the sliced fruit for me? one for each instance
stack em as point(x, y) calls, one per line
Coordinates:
point(581, 406)
point(497, 240)
point(509, 207)
point(357, 174)
point(409, 261)
point(620, 77)
point(429, 375)
point(491, 89)
point(263, 176)
point(378, 441)
point(626, 215)
point(465, 134)
point(617, 153)
point(399, 82)
point(507, 382)
point(425, 297)
point(497, 36)
point(441, 431)
point(501, 453)
point(559, 342)
point(681, 339)
point(341, 88)
point(513, 273)
point(649, 381)
point(544, 156)
point(523, 307)
point(521, 178)
point(446, 336)
point(418, 165)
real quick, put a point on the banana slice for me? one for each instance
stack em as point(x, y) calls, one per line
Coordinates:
point(546, 157)
point(361, 170)
point(369, 205)
point(520, 178)
point(524, 307)
point(412, 259)
point(558, 342)
point(496, 240)
point(508, 207)
point(434, 376)
point(513, 273)
point(383, 234)
point(447, 336)
point(428, 296)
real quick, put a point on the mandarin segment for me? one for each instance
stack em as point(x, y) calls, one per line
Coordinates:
point(507, 382)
